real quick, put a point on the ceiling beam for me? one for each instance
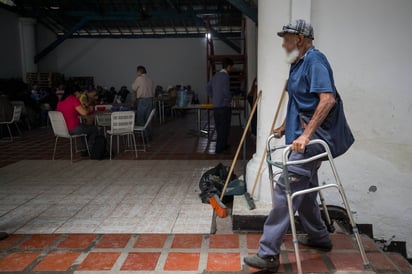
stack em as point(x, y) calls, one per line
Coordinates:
point(60, 39)
point(245, 9)
point(159, 14)
point(225, 40)
point(172, 4)
point(214, 32)
point(154, 36)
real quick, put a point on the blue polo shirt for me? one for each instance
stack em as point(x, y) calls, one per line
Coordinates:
point(311, 75)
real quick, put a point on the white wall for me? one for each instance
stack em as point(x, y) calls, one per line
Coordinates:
point(27, 31)
point(113, 61)
point(10, 62)
point(368, 44)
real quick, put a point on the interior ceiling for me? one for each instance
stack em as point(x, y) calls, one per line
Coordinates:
point(137, 18)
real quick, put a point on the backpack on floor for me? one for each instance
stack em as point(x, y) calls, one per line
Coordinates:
point(99, 150)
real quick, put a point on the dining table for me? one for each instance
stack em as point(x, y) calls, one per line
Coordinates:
point(204, 130)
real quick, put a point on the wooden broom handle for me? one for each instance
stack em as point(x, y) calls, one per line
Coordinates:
point(232, 167)
point(282, 97)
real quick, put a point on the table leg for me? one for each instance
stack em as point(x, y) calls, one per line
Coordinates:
point(208, 123)
point(199, 121)
point(163, 111)
point(160, 112)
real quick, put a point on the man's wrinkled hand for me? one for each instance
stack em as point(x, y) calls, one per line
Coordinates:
point(300, 143)
point(279, 132)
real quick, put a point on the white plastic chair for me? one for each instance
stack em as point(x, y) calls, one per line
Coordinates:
point(142, 129)
point(23, 117)
point(104, 120)
point(14, 120)
point(60, 131)
point(122, 124)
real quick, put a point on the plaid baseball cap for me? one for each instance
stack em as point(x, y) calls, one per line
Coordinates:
point(298, 27)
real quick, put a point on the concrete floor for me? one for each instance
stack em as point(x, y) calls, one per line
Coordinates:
point(160, 196)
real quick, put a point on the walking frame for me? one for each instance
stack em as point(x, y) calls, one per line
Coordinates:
point(283, 166)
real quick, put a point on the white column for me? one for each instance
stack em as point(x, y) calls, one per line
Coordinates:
point(251, 51)
point(272, 74)
point(27, 45)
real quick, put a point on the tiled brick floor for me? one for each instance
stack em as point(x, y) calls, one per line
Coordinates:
point(99, 261)
point(17, 261)
point(113, 241)
point(57, 261)
point(182, 261)
point(142, 261)
point(178, 254)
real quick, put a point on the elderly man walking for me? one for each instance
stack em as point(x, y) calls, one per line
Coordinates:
point(311, 89)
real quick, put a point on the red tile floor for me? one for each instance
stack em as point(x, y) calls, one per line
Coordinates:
point(158, 253)
point(187, 253)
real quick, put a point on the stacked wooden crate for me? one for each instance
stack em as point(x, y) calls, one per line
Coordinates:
point(45, 79)
point(81, 81)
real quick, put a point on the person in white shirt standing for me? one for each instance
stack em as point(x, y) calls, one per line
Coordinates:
point(143, 88)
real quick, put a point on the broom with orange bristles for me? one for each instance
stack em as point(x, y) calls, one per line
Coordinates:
point(216, 201)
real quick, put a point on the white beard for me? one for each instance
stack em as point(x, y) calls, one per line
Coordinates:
point(292, 56)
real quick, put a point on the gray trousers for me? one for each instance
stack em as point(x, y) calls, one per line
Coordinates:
point(302, 177)
point(91, 132)
point(144, 107)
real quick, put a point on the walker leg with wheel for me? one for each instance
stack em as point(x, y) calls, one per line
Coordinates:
point(284, 164)
point(349, 211)
point(293, 226)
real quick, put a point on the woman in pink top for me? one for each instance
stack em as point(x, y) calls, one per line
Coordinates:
point(71, 108)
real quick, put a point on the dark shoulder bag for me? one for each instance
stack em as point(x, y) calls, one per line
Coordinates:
point(334, 130)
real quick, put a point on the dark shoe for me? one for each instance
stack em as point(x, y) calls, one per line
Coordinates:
point(270, 263)
point(305, 240)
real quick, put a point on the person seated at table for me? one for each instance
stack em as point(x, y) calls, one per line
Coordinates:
point(88, 98)
point(71, 108)
point(117, 98)
point(76, 92)
point(36, 94)
point(100, 92)
point(124, 92)
point(60, 92)
point(111, 94)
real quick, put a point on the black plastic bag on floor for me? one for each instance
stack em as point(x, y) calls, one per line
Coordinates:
point(213, 180)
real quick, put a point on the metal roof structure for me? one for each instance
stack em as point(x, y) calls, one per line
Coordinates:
point(136, 18)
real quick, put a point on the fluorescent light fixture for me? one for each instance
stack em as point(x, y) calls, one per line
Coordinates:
point(7, 2)
point(54, 5)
